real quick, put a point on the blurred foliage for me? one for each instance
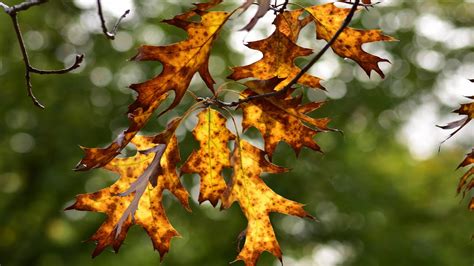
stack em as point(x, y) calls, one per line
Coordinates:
point(377, 203)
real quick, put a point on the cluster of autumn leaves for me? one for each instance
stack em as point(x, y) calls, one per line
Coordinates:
point(466, 183)
point(136, 197)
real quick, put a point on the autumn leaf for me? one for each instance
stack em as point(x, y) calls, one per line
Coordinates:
point(212, 156)
point(329, 19)
point(130, 201)
point(257, 201)
point(180, 62)
point(290, 25)
point(466, 183)
point(466, 109)
point(279, 52)
point(281, 119)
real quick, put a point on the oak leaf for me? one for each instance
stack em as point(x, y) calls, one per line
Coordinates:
point(257, 201)
point(212, 156)
point(279, 52)
point(329, 19)
point(281, 118)
point(180, 62)
point(466, 109)
point(129, 200)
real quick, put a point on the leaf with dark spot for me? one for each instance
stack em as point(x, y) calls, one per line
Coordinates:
point(213, 155)
point(132, 199)
point(329, 19)
point(257, 201)
point(180, 62)
point(281, 119)
point(279, 53)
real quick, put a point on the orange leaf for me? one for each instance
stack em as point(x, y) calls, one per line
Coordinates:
point(213, 155)
point(143, 207)
point(257, 201)
point(279, 52)
point(281, 119)
point(180, 62)
point(328, 20)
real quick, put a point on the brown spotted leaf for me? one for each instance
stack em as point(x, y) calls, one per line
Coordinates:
point(281, 119)
point(329, 19)
point(143, 207)
point(279, 52)
point(257, 201)
point(180, 62)
point(213, 155)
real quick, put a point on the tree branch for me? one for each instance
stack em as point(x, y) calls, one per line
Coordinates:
point(109, 34)
point(13, 13)
point(303, 70)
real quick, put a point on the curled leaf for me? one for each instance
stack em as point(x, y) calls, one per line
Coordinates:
point(263, 7)
point(132, 200)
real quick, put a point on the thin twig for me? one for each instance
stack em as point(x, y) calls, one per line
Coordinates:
point(304, 70)
point(13, 13)
point(109, 34)
point(366, 6)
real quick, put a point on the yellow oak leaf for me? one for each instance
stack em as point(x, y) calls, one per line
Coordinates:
point(180, 62)
point(281, 119)
point(329, 19)
point(289, 23)
point(279, 52)
point(213, 155)
point(257, 201)
point(134, 199)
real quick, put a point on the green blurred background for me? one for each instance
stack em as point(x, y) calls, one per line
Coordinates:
point(382, 192)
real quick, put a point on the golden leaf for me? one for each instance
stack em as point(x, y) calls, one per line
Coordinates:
point(329, 19)
point(180, 62)
point(257, 201)
point(281, 119)
point(213, 155)
point(133, 200)
point(279, 52)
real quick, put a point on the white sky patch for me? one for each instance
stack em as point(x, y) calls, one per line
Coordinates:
point(421, 135)
point(437, 29)
point(331, 254)
point(113, 7)
point(451, 87)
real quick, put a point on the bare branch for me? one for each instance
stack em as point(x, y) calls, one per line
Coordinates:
point(109, 34)
point(304, 70)
point(21, 6)
point(13, 13)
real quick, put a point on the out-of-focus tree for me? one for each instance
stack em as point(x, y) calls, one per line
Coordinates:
point(382, 192)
